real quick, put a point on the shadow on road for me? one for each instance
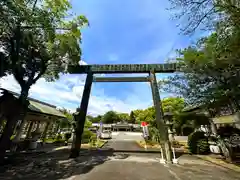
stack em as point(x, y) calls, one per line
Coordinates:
point(54, 165)
point(142, 151)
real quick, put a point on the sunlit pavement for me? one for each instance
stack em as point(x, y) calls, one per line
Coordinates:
point(142, 168)
point(106, 164)
point(148, 167)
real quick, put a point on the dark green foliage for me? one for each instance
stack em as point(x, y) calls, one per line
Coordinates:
point(154, 135)
point(58, 139)
point(93, 138)
point(96, 119)
point(227, 131)
point(86, 137)
point(132, 118)
point(193, 140)
point(203, 146)
point(110, 117)
point(187, 130)
point(67, 136)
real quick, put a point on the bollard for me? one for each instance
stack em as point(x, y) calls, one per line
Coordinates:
point(175, 161)
point(162, 160)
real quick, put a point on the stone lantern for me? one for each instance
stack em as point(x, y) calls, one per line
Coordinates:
point(168, 116)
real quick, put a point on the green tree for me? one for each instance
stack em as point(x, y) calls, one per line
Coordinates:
point(132, 118)
point(87, 124)
point(210, 74)
point(146, 115)
point(173, 104)
point(123, 117)
point(69, 119)
point(89, 117)
point(110, 117)
point(137, 113)
point(205, 14)
point(38, 39)
point(96, 119)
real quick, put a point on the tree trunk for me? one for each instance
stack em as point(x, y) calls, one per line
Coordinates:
point(20, 112)
point(1, 119)
point(1, 123)
point(5, 138)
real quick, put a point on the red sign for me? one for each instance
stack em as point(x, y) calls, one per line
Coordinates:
point(144, 124)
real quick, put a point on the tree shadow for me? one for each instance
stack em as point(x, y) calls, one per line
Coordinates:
point(56, 165)
point(155, 151)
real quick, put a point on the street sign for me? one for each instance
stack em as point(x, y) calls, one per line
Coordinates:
point(145, 131)
point(144, 124)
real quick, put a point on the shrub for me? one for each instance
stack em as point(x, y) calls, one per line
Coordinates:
point(93, 137)
point(197, 142)
point(67, 136)
point(86, 137)
point(93, 140)
point(58, 137)
point(227, 131)
point(203, 146)
point(187, 130)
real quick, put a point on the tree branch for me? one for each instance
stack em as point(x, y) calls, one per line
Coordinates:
point(43, 70)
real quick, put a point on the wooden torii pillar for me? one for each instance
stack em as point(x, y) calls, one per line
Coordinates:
point(80, 117)
point(163, 130)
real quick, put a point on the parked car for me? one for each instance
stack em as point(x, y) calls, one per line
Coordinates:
point(106, 134)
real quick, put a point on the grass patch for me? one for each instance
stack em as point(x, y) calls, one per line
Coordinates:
point(97, 144)
point(149, 144)
point(49, 140)
point(100, 143)
point(154, 145)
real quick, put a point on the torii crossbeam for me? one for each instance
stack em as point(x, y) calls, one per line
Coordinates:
point(121, 79)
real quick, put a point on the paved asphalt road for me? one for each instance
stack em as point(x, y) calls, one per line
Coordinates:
point(139, 170)
point(106, 164)
point(131, 166)
point(126, 142)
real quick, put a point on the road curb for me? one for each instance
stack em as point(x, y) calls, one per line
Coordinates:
point(219, 162)
point(103, 144)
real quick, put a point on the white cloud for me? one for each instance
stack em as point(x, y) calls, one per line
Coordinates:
point(67, 92)
point(82, 62)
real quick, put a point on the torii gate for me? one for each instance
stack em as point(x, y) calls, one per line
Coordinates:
point(151, 69)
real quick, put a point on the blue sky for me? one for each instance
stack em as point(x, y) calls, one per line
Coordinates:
point(120, 32)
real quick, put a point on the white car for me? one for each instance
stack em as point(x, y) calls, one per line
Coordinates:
point(106, 134)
